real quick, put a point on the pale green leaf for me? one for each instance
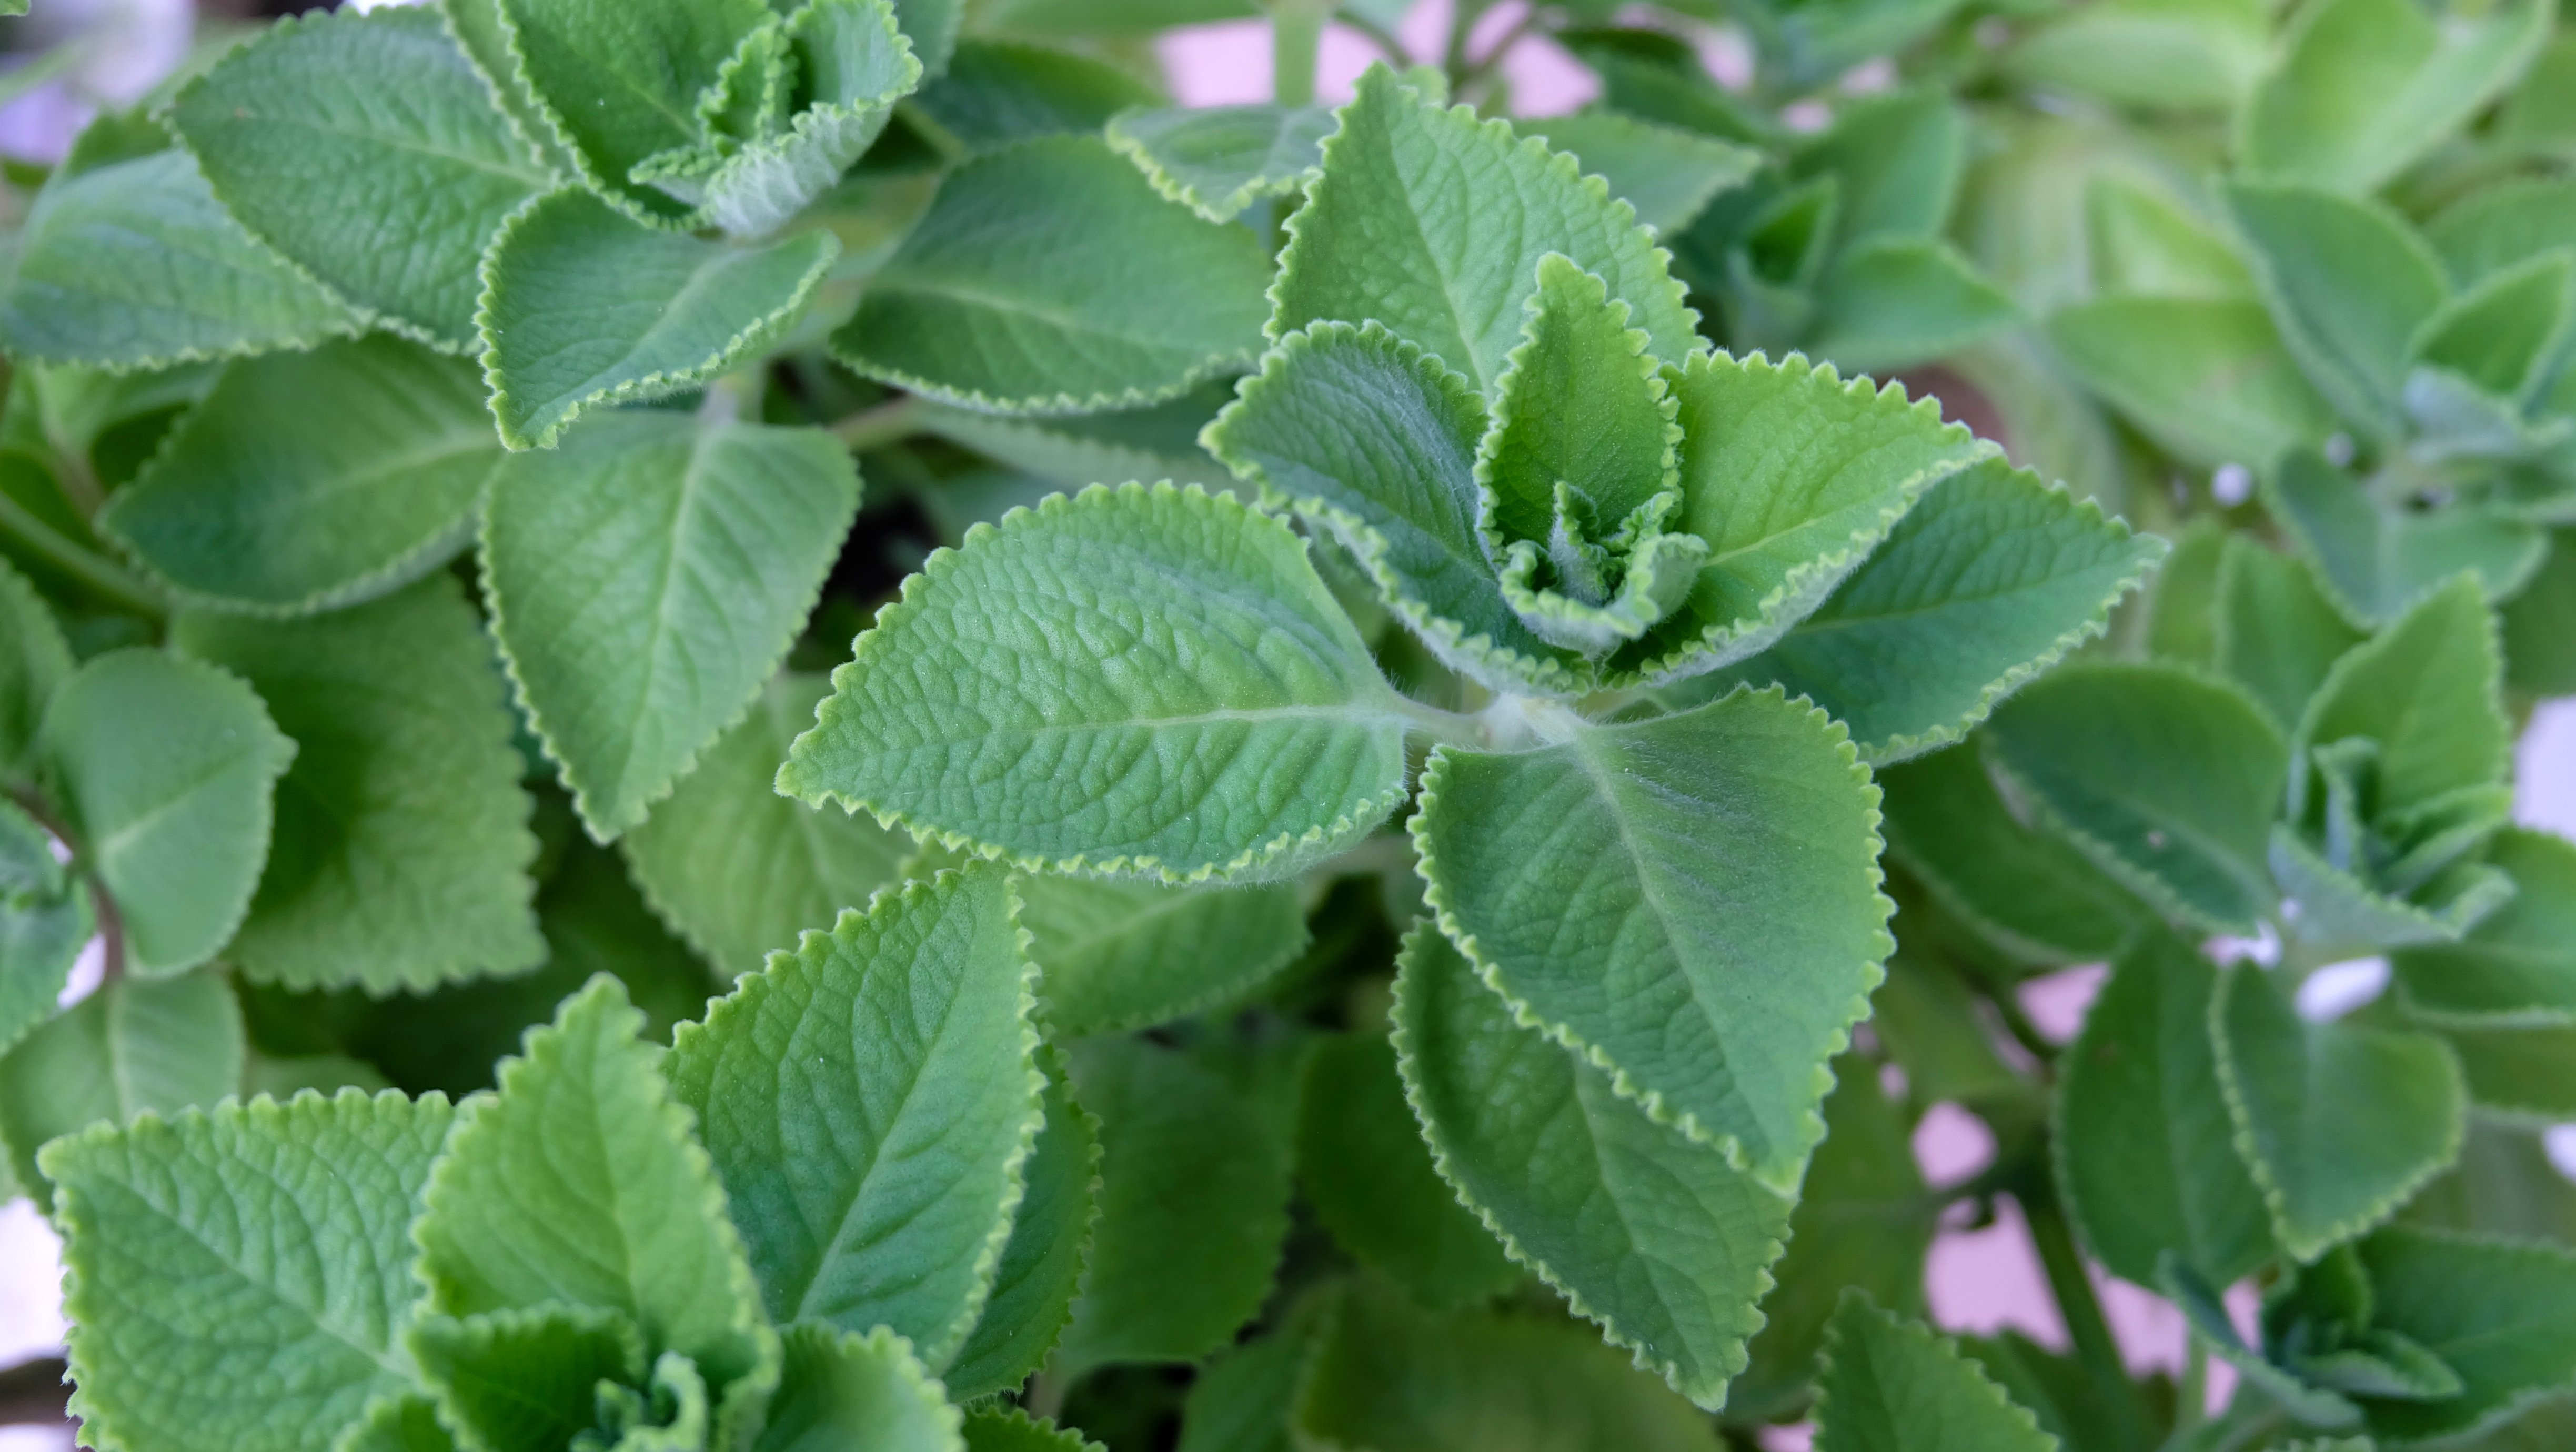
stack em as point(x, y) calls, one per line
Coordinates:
point(484, 35)
point(2143, 1146)
point(1366, 436)
point(2362, 88)
point(2277, 633)
point(2508, 334)
point(1646, 1232)
point(1218, 160)
point(1793, 476)
point(2348, 283)
point(2426, 690)
point(2339, 1123)
point(2160, 55)
point(1390, 1378)
point(2206, 378)
point(136, 1046)
point(1691, 902)
point(868, 1101)
point(1669, 175)
point(1895, 160)
point(1363, 1166)
point(1863, 1219)
point(34, 660)
point(739, 870)
point(1042, 1263)
point(2010, 881)
point(1895, 1385)
point(842, 1390)
point(1072, 452)
point(645, 580)
point(401, 853)
point(165, 767)
point(1193, 1208)
point(527, 1380)
point(2496, 227)
point(996, 92)
point(2500, 1314)
point(2377, 561)
point(1432, 223)
point(46, 917)
point(196, 1323)
point(1894, 302)
point(308, 481)
point(2518, 966)
point(365, 148)
point(585, 308)
point(1988, 582)
point(1153, 681)
point(1579, 404)
point(931, 26)
point(2144, 240)
point(134, 264)
point(405, 1422)
point(1049, 277)
point(580, 1185)
point(1008, 1429)
point(2168, 779)
point(1128, 955)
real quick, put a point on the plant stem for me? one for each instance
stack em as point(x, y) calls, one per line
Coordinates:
point(100, 575)
point(1483, 71)
point(2073, 1289)
point(1296, 37)
point(32, 1393)
point(884, 424)
point(1377, 35)
point(2191, 1399)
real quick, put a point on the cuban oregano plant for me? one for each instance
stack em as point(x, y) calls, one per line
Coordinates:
point(802, 724)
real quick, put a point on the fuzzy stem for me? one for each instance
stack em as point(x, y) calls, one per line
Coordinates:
point(2073, 1289)
point(1296, 38)
point(884, 424)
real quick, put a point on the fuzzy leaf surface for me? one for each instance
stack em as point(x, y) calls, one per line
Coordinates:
point(1042, 1263)
point(34, 660)
point(841, 1389)
point(646, 579)
point(1147, 680)
point(308, 481)
point(2499, 1313)
point(2518, 966)
point(1894, 302)
point(1691, 902)
point(1648, 1233)
point(2012, 882)
point(1008, 1429)
point(2278, 635)
point(2364, 87)
point(868, 1101)
point(1218, 160)
point(1050, 277)
point(194, 1323)
point(137, 1046)
point(527, 1380)
point(2348, 284)
point(402, 849)
point(2426, 690)
point(366, 149)
point(2377, 562)
point(166, 767)
point(1579, 402)
point(996, 92)
point(739, 870)
point(1895, 1385)
point(46, 918)
point(2206, 378)
point(1119, 954)
point(1668, 174)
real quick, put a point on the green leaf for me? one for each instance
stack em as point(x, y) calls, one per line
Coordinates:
point(2145, 240)
point(1894, 302)
point(2339, 1123)
point(2206, 378)
point(2508, 334)
point(2497, 1313)
point(401, 852)
point(1042, 1263)
point(585, 308)
point(2503, 1185)
point(134, 264)
point(1364, 435)
point(1579, 404)
point(484, 35)
point(46, 918)
point(2378, 561)
point(2362, 88)
point(2011, 882)
point(308, 481)
point(136, 1046)
point(1390, 1376)
point(1128, 955)
point(2144, 1160)
point(869, 1101)
point(406, 1422)
point(2348, 283)
point(165, 767)
point(2177, 55)
point(1193, 1208)
point(1244, 1399)
point(1049, 277)
point(195, 1322)
point(2518, 966)
point(527, 1380)
point(1432, 223)
point(2427, 691)
point(619, 80)
point(1895, 160)
point(1186, 702)
point(1691, 902)
point(1008, 1429)
point(296, 136)
point(2519, 1074)
point(739, 870)
point(997, 92)
point(1988, 582)
point(1667, 174)
point(1862, 1219)
point(1652, 1235)
point(1218, 160)
point(1161, 442)
point(34, 660)
point(2499, 226)
point(931, 26)
point(1362, 1164)
point(1890, 1383)
point(2277, 634)
point(585, 1134)
point(2168, 779)
point(2207, 1322)
point(646, 579)
point(1793, 477)
point(841, 1390)
point(2540, 626)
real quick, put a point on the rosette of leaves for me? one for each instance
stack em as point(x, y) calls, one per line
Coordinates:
point(1499, 408)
